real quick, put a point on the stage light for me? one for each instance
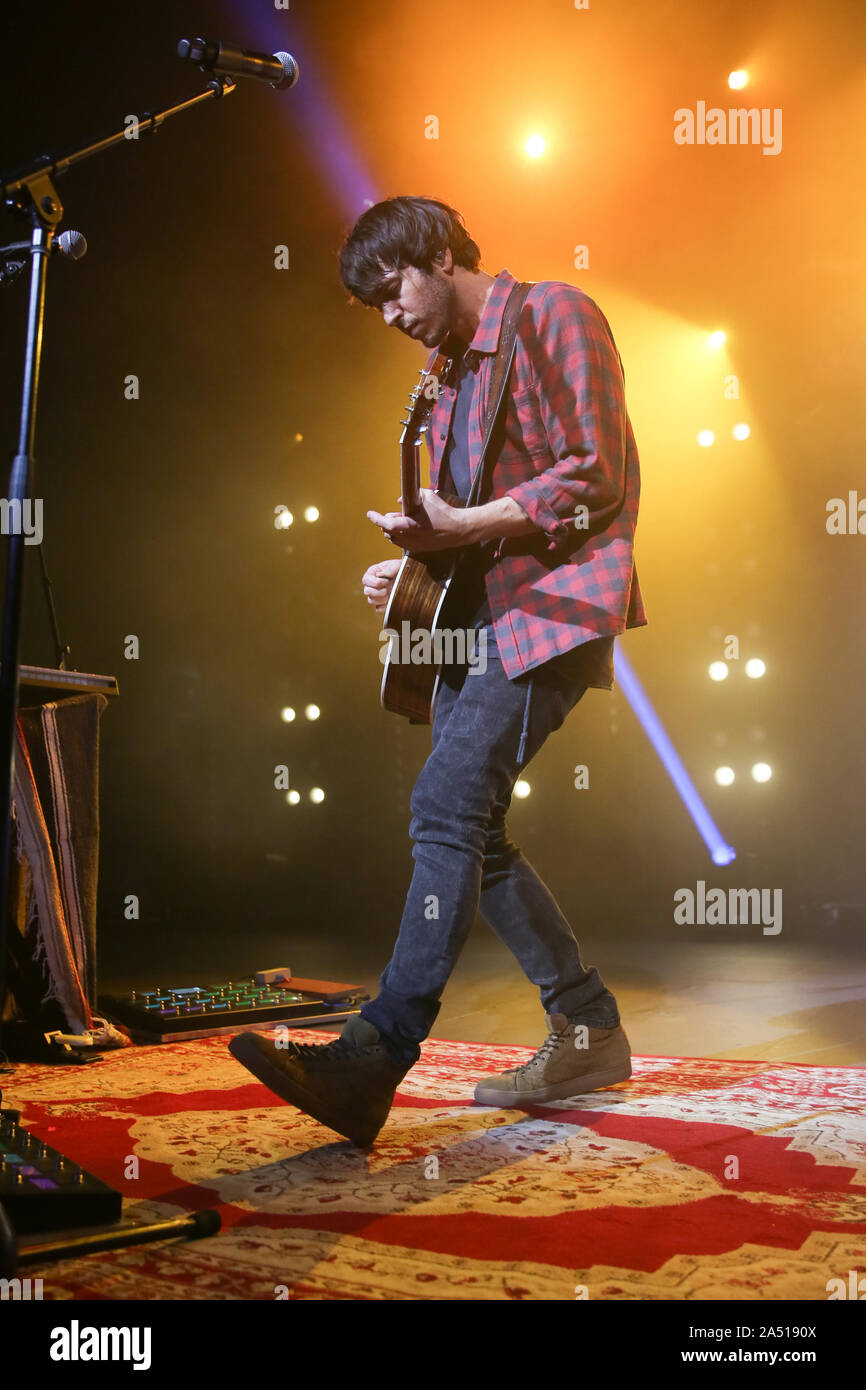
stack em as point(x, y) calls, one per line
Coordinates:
point(293, 797)
point(724, 776)
point(522, 788)
point(535, 146)
point(284, 520)
point(312, 711)
point(706, 827)
point(738, 79)
point(755, 667)
point(718, 670)
point(317, 795)
point(741, 431)
point(706, 438)
point(762, 772)
point(716, 339)
point(311, 514)
point(287, 714)
point(299, 439)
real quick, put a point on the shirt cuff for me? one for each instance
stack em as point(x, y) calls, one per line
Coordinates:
point(531, 499)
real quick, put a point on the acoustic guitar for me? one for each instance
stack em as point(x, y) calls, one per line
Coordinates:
point(412, 617)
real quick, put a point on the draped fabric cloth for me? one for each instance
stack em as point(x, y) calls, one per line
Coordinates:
point(52, 927)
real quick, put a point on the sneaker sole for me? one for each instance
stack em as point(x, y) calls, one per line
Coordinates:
point(255, 1061)
point(562, 1090)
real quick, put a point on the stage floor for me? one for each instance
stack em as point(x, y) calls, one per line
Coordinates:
point(757, 999)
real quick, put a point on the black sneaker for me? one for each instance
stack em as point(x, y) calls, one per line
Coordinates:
point(347, 1084)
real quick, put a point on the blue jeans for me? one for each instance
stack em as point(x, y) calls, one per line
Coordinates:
point(486, 729)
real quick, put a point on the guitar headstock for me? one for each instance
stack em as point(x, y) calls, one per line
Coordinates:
point(422, 399)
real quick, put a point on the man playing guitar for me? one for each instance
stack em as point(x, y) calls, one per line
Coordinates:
point(546, 578)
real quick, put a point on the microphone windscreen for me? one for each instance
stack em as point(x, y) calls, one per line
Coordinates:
point(291, 72)
point(206, 1223)
point(72, 244)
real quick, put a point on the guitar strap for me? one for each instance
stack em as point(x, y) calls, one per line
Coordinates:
point(498, 383)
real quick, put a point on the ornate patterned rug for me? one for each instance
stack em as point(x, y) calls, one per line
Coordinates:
point(695, 1180)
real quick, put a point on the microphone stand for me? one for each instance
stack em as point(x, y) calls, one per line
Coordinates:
point(29, 193)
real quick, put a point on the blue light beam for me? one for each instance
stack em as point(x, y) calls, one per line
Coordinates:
point(720, 851)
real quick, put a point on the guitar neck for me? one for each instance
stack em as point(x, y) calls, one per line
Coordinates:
point(410, 478)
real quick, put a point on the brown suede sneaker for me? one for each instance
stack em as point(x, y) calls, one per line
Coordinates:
point(561, 1068)
point(347, 1084)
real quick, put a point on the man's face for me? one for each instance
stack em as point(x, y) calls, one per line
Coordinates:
point(418, 302)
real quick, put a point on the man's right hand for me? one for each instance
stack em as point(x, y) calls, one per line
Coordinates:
point(378, 581)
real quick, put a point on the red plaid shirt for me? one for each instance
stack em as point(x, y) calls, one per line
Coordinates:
point(568, 445)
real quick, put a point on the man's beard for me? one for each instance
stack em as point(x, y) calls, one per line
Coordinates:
point(440, 318)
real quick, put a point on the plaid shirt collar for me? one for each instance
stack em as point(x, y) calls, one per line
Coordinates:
point(486, 338)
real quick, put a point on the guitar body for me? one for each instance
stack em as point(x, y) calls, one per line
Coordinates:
point(414, 611)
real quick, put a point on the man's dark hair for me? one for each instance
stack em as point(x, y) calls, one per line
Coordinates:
point(399, 232)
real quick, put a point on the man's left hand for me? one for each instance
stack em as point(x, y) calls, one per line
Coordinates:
point(434, 526)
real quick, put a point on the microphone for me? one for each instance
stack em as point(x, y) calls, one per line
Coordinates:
point(13, 258)
point(71, 244)
point(280, 69)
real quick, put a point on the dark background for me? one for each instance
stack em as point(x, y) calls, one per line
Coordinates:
point(262, 387)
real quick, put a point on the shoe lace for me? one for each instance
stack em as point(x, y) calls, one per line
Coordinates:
point(542, 1054)
point(336, 1051)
